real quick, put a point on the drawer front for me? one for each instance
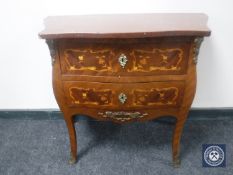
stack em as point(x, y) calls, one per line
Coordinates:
point(124, 96)
point(124, 59)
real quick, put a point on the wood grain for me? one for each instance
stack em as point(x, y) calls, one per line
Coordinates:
point(144, 57)
point(139, 95)
point(159, 78)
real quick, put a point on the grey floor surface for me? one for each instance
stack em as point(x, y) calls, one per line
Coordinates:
point(41, 147)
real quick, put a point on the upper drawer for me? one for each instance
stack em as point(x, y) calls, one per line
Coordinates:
point(124, 57)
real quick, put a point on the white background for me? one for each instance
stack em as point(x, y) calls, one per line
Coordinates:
point(25, 67)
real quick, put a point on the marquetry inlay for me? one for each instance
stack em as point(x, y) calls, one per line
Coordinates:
point(90, 96)
point(156, 96)
point(163, 96)
point(157, 59)
point(125, 68)
point(93, 60)
point(139, 60)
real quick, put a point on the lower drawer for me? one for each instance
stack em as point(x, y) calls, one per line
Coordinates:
point(123, 95)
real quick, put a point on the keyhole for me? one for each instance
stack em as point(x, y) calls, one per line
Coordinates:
point(122, 60)
point(122, 97)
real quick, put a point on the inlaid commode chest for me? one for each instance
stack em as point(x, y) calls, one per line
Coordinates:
point(125, 68)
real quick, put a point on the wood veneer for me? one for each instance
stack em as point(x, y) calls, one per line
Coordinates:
point(125, 68)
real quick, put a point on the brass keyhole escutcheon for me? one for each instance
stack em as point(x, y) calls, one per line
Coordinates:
point(122, 60)
point(122, 98)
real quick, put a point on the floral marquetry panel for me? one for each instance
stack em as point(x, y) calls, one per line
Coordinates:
point(91, 60)
point(124, 59)
point(136, 95)
point(156, 96)
point(90, 96)
point(157, 60)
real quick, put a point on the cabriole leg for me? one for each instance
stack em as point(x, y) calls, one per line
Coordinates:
point(177, 133)
point(72, 135)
